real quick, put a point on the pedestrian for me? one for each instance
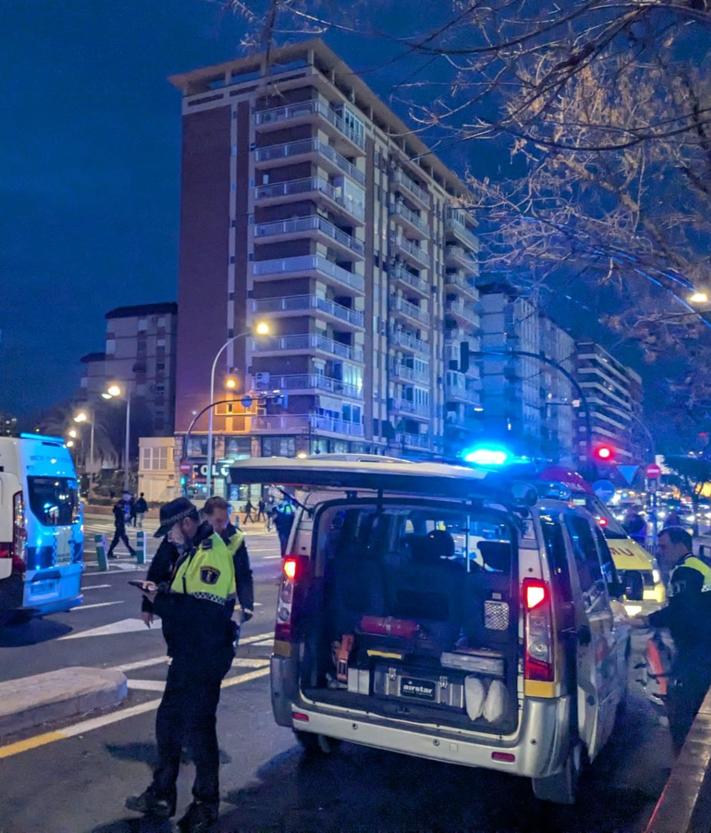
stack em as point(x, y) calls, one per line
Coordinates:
point(283, 521)
point(119, 511)
point(635, 525)
point(688, 618)
point(261, 508)
point(140, 508)
point(195, 608)
point(248, 508)
point(216, 513)
point(160, 571)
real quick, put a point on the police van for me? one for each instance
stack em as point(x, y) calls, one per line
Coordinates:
point(448, 613)
point(41, 527)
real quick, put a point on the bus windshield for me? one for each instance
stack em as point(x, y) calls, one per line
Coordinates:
point(53, 500)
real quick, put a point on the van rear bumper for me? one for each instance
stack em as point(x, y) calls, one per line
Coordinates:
point(539, 748)
point(53, 590)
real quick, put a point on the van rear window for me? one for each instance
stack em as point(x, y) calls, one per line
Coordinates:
point(53, 500)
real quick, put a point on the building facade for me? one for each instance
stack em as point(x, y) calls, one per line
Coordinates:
point(139, 354)
point(614, 396)
point(308, 204)
point(526, 402)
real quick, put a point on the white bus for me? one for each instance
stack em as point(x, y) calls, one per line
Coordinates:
point(41, 527)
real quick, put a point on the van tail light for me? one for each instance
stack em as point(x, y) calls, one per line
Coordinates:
point(539, 660)
point(294, 571)
point(19, 531)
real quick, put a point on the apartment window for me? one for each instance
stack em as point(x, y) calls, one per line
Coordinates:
point(142, 325)
point(110, 347)
point(161, 321)
point(160, 365)
point(146, 458)
point(160, 342)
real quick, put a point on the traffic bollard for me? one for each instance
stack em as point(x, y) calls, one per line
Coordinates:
point(100, 541)
point(141, 543)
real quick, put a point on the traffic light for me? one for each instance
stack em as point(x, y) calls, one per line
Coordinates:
point(604, 453)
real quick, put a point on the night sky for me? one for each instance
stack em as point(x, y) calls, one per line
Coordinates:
point(90, 145)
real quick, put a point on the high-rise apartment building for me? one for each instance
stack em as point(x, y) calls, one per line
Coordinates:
point(526, 401)
point(614, 395)
point(307, 203)
point(139, 353)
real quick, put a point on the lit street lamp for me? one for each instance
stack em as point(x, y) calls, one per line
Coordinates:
point(114, 391)
point(262, 328)
point(83, 417)
point(698, 297)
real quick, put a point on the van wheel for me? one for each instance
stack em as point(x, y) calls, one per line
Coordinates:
point(562, 788)
point(313, 744)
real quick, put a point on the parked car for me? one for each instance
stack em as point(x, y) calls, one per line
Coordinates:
point(447, 613)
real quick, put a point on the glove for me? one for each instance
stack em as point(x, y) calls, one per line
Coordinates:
point(246, 615)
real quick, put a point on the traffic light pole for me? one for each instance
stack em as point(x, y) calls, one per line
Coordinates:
point(569, 376)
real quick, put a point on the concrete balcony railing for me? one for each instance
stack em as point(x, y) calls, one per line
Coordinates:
point(401, 210)
point(308, 263)
point(315, 382)
point(400, 273)
point(412, 311)
point(409, 374)
point(304, 424)
point(407, 406)
point(462, 284)
point(305, 303)
point(412, 188)
point(306, 343)
point(312, 107)
point(410, 342)
point(311, 184)
point(304, 147)
point(461, 257)
point(300, 225)
point(420, 441)
point(415, 252)
point(462, 311)
point(455, 227)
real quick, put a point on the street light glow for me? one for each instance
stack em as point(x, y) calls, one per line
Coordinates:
point(72, 433)
point(231, 382)
point(81, 417)
point(69, 443)
point(262, 328)
point(114, 390)
point(106, 395)
point(699, 297)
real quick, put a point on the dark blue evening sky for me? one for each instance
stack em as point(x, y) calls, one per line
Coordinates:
point(90, 143)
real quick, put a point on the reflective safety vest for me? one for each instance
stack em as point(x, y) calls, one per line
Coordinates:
point(235, 541)
point(691, 562)
point(208, 573)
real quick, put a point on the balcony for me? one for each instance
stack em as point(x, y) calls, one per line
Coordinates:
point(306, 111)
point(408, 218)
point(408, 186)
point(287, 153)
point(412, 311)
point(410, 342)
point(304, 424)
point(306, 343)
point(405, 373)
point(460, 284)
point(460, 257)
point(459, 388)
point(294, 190)
point(462, 312)
point(301, 304)
point(412, 252)
point(454, 227)
point(314, 382)
point(306, 227)
point(422, 442)
point(308, 265)
point(400, 273)
point(407, 406)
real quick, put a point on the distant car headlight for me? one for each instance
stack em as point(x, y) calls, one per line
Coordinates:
point(656, 576)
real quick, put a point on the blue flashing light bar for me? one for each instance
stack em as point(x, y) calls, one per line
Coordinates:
point(487, 456)
point(42, 437)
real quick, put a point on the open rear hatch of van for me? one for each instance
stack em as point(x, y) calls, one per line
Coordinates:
point(411, 607)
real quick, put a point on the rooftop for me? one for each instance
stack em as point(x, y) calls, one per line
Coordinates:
point(143, 309)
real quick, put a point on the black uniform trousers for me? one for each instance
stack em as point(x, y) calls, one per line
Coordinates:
point(690, 680)
point(187, 717)
point(120, 535)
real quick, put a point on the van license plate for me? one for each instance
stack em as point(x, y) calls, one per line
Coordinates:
point(419, 689)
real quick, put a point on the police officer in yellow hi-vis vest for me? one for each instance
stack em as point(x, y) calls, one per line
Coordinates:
point(196, 611)
point(688, 618)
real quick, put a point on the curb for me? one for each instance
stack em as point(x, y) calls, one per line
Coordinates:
point(28, 702)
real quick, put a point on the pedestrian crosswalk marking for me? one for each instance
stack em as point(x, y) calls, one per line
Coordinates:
point(159, 685)
point(98, 604)
point(84, 726)
point(122, 626)
point(95, 586)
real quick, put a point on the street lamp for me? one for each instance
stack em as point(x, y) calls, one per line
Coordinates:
point(261, 328)
point(115, 391)
point(231, 382)
point(82, 417)
point(698, 297)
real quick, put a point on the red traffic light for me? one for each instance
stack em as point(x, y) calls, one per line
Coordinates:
point(604, 453)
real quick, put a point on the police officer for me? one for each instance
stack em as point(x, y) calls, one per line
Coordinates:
point(688, 618)
point(216, 512)
point(195, 608)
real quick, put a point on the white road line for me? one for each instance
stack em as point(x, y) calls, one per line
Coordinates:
point(100, 604)
point(270, 557)
point(147, 685)
point(259, 639)
point(141, 663)
point(159, 685)
point(96, 586)
point(11, 749)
